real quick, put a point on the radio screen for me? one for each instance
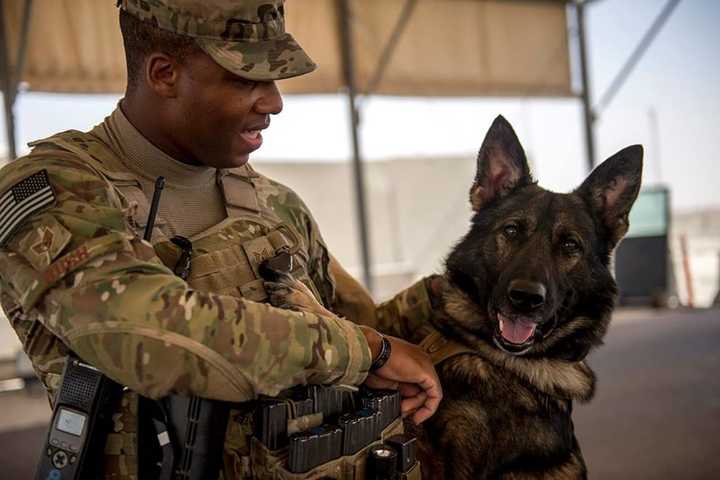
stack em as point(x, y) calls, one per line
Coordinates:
point(70, 422)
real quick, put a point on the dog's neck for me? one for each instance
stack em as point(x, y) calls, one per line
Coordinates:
point(572, 380)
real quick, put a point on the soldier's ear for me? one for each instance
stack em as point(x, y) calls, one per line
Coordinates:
point(161, 74)
point(501, 165)
point(611, 190)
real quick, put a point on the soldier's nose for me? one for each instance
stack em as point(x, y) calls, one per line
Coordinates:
point(526, 295)
point(270, 100)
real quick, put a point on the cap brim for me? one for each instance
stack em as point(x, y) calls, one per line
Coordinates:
point(262, 61)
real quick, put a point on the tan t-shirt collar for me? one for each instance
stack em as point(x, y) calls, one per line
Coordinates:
point(147, 160)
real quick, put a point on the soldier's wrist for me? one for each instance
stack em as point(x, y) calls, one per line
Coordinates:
point(374, 340)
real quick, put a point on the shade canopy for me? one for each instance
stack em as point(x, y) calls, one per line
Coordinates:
point(440, 47)
point(395, 47)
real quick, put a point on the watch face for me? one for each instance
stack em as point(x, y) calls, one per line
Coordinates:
point(71, 422)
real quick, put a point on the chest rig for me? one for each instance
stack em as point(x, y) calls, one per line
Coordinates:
point(225, 259)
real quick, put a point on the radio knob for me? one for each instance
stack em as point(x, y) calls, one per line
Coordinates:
point(60, 459)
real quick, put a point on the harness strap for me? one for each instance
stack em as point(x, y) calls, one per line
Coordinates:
point(441, 348)
point(284, 238)
point(238, 193)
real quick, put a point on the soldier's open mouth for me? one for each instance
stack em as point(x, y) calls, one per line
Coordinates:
point(252, 137)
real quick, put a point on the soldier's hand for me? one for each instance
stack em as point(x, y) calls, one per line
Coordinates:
point(409, 370)
point(292, 294)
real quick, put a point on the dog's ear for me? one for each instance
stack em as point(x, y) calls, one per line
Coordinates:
point(612, 189)
point(501, 165)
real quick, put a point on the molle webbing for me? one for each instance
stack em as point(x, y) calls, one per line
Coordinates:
point(221, 263)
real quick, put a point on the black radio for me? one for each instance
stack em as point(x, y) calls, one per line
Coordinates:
point(81, 420)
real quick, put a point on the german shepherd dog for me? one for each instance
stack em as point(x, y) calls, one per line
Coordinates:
point(527, 293)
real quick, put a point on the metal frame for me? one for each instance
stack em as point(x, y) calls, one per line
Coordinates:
point(10, 79)
point(9, 82)
point(637, 54)
point(590, 113)
point(348, 64)
point(387, 53)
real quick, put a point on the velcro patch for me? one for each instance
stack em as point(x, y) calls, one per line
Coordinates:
point(42, 243)
point(22, 200)
point(66, 264)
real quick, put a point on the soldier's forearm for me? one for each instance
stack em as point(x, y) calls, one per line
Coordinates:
point(104, 293)
point(149, 331)
point(402, 316)
point(408, 313)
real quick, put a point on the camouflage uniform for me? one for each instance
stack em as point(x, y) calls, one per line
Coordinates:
point(408, 314)
point(247, 37)
point(76, 274)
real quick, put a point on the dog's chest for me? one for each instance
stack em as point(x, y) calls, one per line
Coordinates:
point(516, 423)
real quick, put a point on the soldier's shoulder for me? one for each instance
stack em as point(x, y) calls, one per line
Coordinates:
point(57, 166)
point(16, 170)
point(277, 194)
point(62, 166)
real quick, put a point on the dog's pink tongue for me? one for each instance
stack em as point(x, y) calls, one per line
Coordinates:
point(518, 331)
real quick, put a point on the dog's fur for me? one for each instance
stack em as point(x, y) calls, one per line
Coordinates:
point(506, 411)
point(538, 261)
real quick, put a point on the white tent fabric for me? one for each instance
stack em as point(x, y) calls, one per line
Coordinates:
point(448, 48)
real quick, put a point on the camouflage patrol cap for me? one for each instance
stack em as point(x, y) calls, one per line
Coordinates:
point(246, 37)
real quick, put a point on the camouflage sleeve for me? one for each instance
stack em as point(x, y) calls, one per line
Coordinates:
point(319, 261)
point(408, 314)
point(351, 300)
point(102, 291)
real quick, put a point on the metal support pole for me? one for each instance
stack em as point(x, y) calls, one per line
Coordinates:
point(685, 252)
point(588, 114)
point(716, 300)
point(7, 85)
point(637, 54)
point(22, 47)
point(389, 49)
point(344, 23)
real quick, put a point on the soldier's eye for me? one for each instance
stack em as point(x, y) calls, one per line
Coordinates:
point(511, 230)
point(244, 82)
point(570, 246)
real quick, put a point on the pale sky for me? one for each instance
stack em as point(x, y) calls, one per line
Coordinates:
point(678, 81)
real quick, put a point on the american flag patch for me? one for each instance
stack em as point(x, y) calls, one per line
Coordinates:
point(22, 200)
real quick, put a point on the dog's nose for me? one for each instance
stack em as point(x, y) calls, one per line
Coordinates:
point(526, 295)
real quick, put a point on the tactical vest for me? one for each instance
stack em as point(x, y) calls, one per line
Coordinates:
point(225, 260)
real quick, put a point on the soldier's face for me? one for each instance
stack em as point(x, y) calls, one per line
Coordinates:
point(219, 116)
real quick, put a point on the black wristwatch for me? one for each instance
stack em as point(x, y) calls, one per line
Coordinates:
point(382, 358)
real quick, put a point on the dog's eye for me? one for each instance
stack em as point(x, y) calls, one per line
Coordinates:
point(511, 231)
point(570, 246)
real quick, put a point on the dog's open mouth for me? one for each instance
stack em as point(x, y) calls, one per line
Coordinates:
point(516, 335)
point(516, 332)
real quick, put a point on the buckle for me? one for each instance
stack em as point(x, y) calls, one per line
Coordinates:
point(284, 239)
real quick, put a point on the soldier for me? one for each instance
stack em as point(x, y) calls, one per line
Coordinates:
point(76, 275)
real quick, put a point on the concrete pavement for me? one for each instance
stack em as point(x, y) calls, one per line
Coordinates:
point(656, 413)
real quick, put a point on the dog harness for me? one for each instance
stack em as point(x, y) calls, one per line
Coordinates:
point(440, 348)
